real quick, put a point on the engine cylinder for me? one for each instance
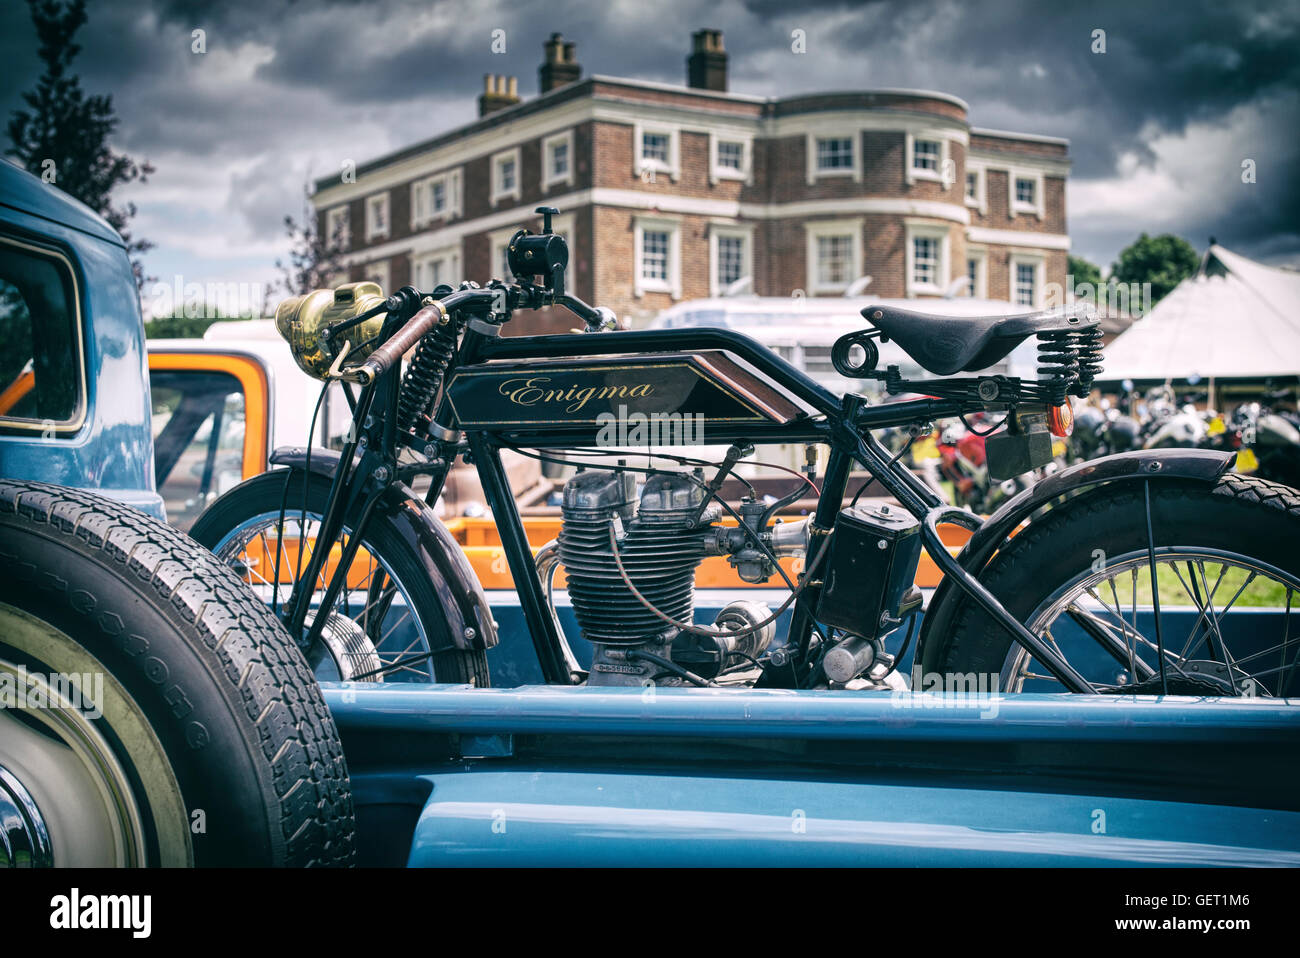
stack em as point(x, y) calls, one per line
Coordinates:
point(660, 546)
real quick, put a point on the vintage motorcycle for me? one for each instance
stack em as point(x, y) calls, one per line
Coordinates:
point(1055, 590)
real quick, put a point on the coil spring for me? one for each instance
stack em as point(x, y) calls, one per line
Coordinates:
point(1058, 364)
point(423, 377)
point(1088, 354)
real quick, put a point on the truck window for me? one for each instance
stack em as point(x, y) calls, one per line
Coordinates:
point(198, 437)
point(41, 370)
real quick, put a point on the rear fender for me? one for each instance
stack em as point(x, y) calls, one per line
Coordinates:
point(1204, 465)
point(469, 619)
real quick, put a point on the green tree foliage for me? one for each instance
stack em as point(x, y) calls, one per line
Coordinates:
point(1163, 261)
point(62, 134)
point(313, 259)
point(1084, 271)
point(180, 326)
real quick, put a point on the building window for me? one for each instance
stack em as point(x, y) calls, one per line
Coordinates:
point(925, 155)
point(654, 255)
point(377, 216)
point(926, 158)
point(505, 176)
point(435, 198)
point(834, 254)
point(42, 367)
point(557, 159)
point(433, 269)
point(731, 259)
point(655, 151)
point(927, 258)
point(731, 155)
point(657, 257)
point(1026, 286)
point(1027, 194)
point(976, 273)
point(377, 272)
point(925, 261)
point(729, 158)
point(730, 252)
point(975, 188)
point(338, 228)
point(834, 154)
point(654, 147)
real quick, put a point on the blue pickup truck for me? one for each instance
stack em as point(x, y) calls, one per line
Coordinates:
point(156, 712)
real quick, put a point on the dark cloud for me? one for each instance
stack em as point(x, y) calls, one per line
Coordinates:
point(290, 87)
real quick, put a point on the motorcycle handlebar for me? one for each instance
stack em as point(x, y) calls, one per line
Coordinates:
point(438, 312)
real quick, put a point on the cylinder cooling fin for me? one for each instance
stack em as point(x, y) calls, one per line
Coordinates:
point(660, 545)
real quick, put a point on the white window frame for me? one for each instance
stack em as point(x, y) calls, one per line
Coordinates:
point(380, 271)
point(739, 231)
point(373, 230)
point(911, 173)
point(640, 163)
point(496, 192)
point(980, 289)
point(746, 171)
point(450, 181)
point(673, 284)
point(1027, 258)
point(818, 228)
point(332, 217)
point(980, 200)
point(1014, 206)
point(855, 147)
point(449, 260)
point(935, 231)
point(549, 177)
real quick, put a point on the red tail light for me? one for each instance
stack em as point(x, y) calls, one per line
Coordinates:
point(1060, 419)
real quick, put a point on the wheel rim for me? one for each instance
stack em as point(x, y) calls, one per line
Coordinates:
point(65, 730)
point(1199, 585)
point(375, 600)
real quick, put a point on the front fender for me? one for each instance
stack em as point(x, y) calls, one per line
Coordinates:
point(469, 619)
point(1205, 465)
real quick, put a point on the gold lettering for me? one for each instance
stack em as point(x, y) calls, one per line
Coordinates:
point(531, 391)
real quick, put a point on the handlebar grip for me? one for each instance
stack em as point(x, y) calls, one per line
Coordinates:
point(391, 352)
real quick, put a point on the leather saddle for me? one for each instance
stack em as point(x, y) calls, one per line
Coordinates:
point(950, 344)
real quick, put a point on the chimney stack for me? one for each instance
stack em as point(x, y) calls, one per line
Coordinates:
point(498, 93)
point(560, 66)
point(706, 67)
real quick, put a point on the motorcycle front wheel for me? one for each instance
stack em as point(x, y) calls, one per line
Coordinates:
point(383, 627)
point(1226, 583)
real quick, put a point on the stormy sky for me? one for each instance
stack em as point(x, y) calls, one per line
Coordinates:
point(287, 90)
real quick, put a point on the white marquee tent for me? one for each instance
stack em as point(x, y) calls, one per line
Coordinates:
point(1234, 319)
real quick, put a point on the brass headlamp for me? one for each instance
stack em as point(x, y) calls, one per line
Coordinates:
point(302, 321)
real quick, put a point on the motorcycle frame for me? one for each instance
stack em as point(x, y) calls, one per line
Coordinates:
point(844, 425)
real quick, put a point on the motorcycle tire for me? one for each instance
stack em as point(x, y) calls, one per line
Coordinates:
point(264, 495)
point(163, 716)
point(1254, 519)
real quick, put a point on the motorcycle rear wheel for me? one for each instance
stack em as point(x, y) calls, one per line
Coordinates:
point(1222, 552)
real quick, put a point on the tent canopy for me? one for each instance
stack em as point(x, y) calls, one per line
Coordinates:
point(1234, 319)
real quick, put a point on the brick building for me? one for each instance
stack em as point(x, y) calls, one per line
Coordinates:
point(671, 193)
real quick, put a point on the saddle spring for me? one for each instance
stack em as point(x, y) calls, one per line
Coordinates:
point(1058, 364)
point(1088, 353)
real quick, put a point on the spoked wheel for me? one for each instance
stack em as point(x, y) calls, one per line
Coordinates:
point(381, 628)
point(1218, 617)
